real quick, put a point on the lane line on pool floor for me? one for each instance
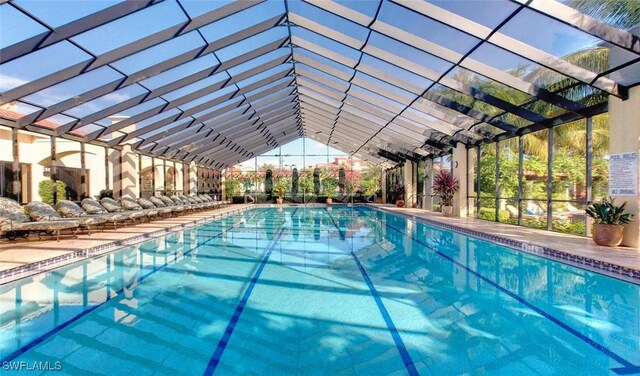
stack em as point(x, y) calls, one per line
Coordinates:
point(402, 349)
point(627, 368)
point(226, 337)
point(65, 324)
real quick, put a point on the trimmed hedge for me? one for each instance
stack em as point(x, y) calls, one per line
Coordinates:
point(45, 190)
point(490, 214)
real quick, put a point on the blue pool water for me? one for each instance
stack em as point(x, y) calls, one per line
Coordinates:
point(306, 291)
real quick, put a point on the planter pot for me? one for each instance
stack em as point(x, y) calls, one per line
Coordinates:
point(279, 201)
point(447, 210)
point(607, 235)
point(378, 200)
point(400, 203)
point(329, 200)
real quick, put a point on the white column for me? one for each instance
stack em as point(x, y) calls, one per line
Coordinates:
point(624, 137)
point(460, 172)
point(428, 185)
point(383, 186)
point(192, 175)
point(125, 174)
point(409, 186)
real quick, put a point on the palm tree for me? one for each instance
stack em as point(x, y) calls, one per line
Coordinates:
point(622, 14)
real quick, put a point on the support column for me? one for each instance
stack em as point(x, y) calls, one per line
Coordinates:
point(383, 186)
point(192, 176)
point(125, 174)
point(83, 172)
point(409, 185)
point(106, 168)
point(460, 172)
point(624, 137)
point(54, 170)
point(186, 186)
point(17, 174)
point(427, 203)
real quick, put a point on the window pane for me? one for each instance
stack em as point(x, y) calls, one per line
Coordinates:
point(600, 164)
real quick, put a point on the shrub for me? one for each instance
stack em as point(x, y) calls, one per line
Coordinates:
point(105, 193)
point(490, 214)
point(45, 190)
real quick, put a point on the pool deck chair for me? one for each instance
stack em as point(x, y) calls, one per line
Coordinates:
point(14, 222)
point(42, 212)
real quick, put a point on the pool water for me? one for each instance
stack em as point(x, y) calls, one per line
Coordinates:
point(326, 291)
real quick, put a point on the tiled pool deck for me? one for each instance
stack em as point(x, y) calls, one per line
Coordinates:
point(25, 257)
point(619, 262)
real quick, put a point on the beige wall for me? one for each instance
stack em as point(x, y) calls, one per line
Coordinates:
point(624, 137)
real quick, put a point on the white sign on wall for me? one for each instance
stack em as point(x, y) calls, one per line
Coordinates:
point(623, 174)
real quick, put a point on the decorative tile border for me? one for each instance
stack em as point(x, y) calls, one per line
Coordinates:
point(10, 275)
point(587, 263)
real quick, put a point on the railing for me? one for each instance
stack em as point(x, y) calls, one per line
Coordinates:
point(253, 200)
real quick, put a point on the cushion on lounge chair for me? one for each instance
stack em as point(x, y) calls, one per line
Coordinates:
point(111, 205)
point(130, 204)
point(92, 206)
point(70, 209)
point(12, 217)
point(146, 203)
point(167, 201)
point(157, 202)
point(41, 211)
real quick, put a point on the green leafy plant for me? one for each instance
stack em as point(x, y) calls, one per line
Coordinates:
point(445, 185)
point(607, 212)
point(329, 186)
point(45, 190)
point(280, 188)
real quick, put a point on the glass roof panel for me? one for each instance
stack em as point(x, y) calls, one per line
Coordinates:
point(220, 93)
point(15, 26)
point(627, 76)
point(487, 85)
point(383, 88)
point(258, 61)
point(376, 99)
point(320, 76)
point(621, 14)
point(321, 63)
point(86, 129)
point(55, 121)
point(585, 94)
point(520, 67)
point(29, 68)
point(403, 52)
point(324, 46)
point(217, 80)
point(490, 14)
point(159, 53)
point(198, 8)
point(327, 24)
point(395, 75)
point(252, 43)
point(241, 20)
point(207, 62)
point(74, 87)
point(562, 41)
point(131, 28)
point(106, 101)
point(55, 13)
point(425, 28)
point(140, 108)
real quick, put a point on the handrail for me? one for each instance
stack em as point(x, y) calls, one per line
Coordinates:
point(253, 200)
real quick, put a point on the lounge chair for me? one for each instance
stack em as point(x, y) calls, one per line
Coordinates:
point(207, 198)
point(14, 222)
point(43, 212)
point(160, 203)
point(92, 206)
point(205, 204)
point(146, 204)
point(188, 205)
point(70, 209)
point(113, 206)
point(129, 203)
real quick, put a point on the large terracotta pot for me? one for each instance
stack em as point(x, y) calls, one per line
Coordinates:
point(607, 235)
point(279, 201)
point(329, 200)
point(447, 210)
point(400, 203)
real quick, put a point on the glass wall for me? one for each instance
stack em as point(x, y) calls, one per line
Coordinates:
point(303, 171)
point(547, 186)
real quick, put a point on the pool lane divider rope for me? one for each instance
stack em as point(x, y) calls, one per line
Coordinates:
point(402, 349)
point(226, 337)
point(64, 325)
point(628, 367)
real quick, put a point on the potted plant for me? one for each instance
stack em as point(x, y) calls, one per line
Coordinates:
point(445, 185)
point(398, 194)
point(329, 186)
point(609, 221)
point(280, 189)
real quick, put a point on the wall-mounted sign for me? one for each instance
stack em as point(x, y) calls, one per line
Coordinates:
point(623, 174)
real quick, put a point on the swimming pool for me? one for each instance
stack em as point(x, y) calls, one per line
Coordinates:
point(314, 290)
